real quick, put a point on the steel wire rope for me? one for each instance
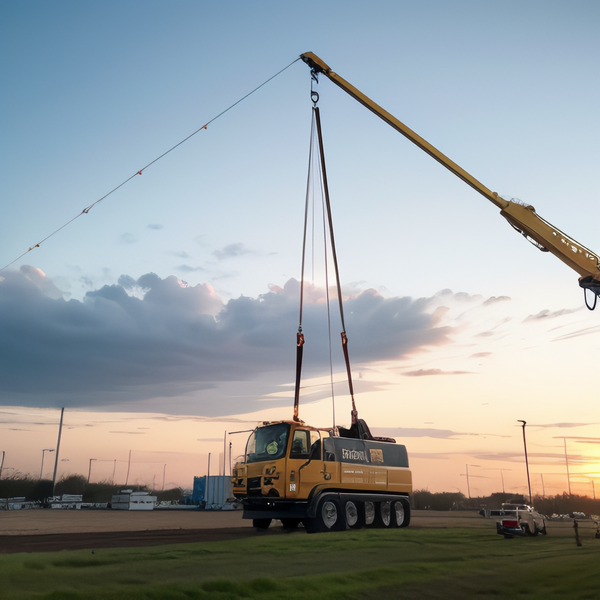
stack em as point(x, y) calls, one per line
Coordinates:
point(328, 303)
point(314, 185)
point(344, 337)
point(321, 187)
point(299, 334)
point(140, 171)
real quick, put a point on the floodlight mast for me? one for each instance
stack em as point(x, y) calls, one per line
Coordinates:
point(526, 460)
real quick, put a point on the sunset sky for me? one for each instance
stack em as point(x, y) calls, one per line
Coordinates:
point(165, 318)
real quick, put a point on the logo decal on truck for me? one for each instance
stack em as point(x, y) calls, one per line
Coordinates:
point(376, 455)
point(354, 455)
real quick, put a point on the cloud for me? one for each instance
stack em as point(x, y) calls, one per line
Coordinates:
point(560, 425)
point(546, 314)
point(188, 269)
point(429, 372)
point(155, 226)
point(154, 344)
point(128, 238)
point(416, 432)
point(231, 251)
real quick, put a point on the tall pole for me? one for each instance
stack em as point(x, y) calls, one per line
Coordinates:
point(224, 451)
point(207, 482)
point(128, 465)
point(90, 469)
point(42, 467)
point(229, 458)
point(526, 460)
point(114, 469)
point(164, 473)
point(567, 463)
point(2, 463)
point(468, 486)
point(62, 414)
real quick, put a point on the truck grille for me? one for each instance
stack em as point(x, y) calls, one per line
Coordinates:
point(254, 487)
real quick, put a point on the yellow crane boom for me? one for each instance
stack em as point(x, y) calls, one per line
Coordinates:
point(522, 217)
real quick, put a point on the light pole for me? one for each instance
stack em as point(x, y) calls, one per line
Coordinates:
point(567, 463)
point(90, 470)
point(43, 454)
point(526, 459)
point(164, 473)
point(590, 480)
point(468, 485)
point(502, 477)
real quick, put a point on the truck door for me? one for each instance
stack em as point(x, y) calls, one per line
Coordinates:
point(305, 463)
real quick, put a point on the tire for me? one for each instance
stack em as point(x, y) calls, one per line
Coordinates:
point(290, 524)
point(328, 514)
point(384, 514)
point(400, 513)
point(532, 532)
point(369, 513)
point(329, 517)
point(261, 523)
point(543, 531)
point(352, 515)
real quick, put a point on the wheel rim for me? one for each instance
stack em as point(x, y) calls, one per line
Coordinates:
point(399, 513)
point(329, 513)
point(351, 514)
point(369, 513)
point(386, 513)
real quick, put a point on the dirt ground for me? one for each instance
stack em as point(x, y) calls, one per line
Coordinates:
point(47, 530)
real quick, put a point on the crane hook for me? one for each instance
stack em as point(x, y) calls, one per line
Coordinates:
point(314, 95)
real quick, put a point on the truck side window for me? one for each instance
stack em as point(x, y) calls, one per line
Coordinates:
point(300, 446)
point(315, 446)
point(328, 450)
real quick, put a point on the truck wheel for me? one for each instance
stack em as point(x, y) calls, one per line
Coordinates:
point(384, 514)
point(261, 523)
point(529, 530)
point(400, 513)
point(369, 511)
point(328, 514)
point(352, 516)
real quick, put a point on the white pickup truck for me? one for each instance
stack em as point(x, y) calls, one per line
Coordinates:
point(518, 519)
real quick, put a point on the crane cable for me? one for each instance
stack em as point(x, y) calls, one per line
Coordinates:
point(344, 337)
point(86, 210)
point(300, 336)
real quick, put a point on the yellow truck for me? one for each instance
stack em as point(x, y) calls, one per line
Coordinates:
point(326, 479)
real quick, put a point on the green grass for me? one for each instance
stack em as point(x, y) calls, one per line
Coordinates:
point(364, 565)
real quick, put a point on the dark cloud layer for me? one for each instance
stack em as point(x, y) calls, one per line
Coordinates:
point(159, 338)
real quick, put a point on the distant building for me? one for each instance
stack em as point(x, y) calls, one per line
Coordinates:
point(212, 493)
point(130, 500)
point(66, 501)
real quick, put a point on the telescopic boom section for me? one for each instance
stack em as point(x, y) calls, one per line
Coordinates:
point(522, 217)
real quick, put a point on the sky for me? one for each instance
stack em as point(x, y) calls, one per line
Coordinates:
point(164, 319)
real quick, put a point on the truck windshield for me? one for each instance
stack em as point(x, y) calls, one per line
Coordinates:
point(267, 443)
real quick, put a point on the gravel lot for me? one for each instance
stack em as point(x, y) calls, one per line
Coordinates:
point(47, 530)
